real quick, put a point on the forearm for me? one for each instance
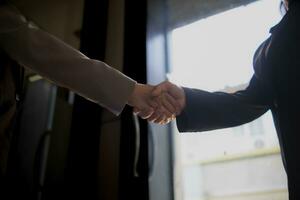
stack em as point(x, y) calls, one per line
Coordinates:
point(208, 111)
point(214, 110)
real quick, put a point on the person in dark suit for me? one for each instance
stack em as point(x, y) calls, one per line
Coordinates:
point(274, 86)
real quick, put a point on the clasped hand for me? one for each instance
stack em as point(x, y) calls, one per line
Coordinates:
point(159, 104)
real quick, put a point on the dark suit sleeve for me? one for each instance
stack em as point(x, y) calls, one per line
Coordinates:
point(207, 111)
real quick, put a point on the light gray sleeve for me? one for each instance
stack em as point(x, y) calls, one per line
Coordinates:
point(62, 64)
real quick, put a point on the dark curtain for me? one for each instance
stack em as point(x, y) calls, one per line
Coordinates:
point(83, 156)
point(132, 186)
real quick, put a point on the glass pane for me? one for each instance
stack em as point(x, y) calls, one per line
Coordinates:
point(215, 54)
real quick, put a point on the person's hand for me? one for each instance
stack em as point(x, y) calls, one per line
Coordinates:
point(171, 92)
point(165, 110)
point(142, 101)
point(145, 104)
point(169, 96)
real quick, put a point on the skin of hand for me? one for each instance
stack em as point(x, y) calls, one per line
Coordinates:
point(145, 104)
point(168, 95)
point(165, 111)
point(286, 4)
point(142, 101)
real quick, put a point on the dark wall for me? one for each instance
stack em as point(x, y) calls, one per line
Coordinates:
point(132, 186)
point(82, 167)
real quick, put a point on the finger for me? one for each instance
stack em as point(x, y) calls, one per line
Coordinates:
point(173, 101)
point(169, 103)
point(164, 122)
point(161, 110)
point(159, 89)
point(144, 114)
point(160, 119)
point(149, 113)
point(175, 91)
point(173, 117)
point(166, 112)
point(154, 116)
point(156, 91)
point(136, 111)
point(162, 107)
point(154, 103)
point(168, 120)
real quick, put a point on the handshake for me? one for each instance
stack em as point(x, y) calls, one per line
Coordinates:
point(159, 104)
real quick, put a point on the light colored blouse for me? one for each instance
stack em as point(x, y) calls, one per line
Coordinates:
point(53, 59)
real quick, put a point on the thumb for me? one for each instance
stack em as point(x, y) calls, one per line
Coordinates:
point(175, 91)
point(159, 89)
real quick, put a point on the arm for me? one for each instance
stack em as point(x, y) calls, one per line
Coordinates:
point(207, 111)
point(278, 80)
point(55, 60)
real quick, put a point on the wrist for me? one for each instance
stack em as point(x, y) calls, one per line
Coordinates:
point(182, 100)
point(132, 98)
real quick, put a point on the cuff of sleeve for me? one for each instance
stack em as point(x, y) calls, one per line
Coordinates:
point(194, 117)
point(124, 89)
point(182, 120)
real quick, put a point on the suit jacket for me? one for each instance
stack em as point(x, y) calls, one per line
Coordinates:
point(48, 56)
point(275, 86)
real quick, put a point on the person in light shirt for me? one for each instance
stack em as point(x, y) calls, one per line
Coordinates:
point(23, 42)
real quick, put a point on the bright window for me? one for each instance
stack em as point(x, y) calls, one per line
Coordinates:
point(216, 54)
